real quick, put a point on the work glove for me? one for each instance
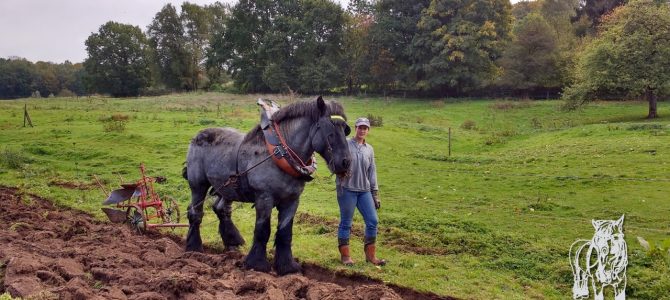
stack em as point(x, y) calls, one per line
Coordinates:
point(375, 198)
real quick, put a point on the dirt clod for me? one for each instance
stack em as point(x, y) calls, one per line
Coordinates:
point(48, 252)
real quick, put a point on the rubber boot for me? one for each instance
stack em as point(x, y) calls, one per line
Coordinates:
point(370, 252)
point(345, 257)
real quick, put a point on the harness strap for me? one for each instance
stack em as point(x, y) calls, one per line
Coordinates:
point(284, 157)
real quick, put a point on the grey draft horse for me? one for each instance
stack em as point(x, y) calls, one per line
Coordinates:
point(217, 154)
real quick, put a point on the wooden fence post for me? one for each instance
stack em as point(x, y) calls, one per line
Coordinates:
point(26, 116)
point(449, 141)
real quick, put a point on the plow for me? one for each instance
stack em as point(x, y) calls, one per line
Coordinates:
point(138, 205)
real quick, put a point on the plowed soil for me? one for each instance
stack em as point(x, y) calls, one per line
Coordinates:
point(48, 252)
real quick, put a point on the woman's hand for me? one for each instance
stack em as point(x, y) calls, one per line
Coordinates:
point(375, 198)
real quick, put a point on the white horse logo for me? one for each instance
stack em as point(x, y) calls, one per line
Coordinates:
point(603, 263)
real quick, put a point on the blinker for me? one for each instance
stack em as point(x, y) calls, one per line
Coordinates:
point(347, 129)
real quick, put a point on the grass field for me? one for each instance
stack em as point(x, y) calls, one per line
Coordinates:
point(494, 220)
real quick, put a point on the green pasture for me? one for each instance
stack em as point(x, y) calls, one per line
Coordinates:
point(494, 220)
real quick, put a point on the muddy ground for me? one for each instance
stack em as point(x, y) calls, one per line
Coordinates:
point(53, 253)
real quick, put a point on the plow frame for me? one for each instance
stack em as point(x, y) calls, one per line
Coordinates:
point(140, 206)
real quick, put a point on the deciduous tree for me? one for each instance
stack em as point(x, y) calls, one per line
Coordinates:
point(459, 43)
point(531, 60)
point(117, 59)
point(629, 57)
point(167, 38)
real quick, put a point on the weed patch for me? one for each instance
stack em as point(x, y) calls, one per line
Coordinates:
point(651, 126)
point(114, 123)
point(507, 105)
point(206, 122)
point(469, 125)
point(13, 159)
point(376, 120)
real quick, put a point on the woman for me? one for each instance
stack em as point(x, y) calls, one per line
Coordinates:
point(359, 190)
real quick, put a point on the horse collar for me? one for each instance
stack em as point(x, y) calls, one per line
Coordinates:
point(284, 157)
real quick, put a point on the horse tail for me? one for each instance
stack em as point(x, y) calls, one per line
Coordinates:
point(580, 288)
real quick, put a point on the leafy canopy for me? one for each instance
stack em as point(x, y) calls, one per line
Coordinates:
point(117, 60)
point(629, 57)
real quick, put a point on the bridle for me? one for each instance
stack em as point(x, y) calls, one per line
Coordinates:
point(286, 158)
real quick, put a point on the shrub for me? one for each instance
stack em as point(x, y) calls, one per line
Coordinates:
point(114, 123)
point(66, 93)
point(437, 104)
point(375, 121)
point(155, 91)
point(469, 124)
point(507, 105)
point(13, 159)
point(206, 122)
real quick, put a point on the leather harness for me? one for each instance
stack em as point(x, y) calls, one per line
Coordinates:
point(282, 155)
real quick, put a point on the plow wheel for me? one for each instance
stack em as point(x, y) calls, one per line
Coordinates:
point(137, 219)
point(171, 210)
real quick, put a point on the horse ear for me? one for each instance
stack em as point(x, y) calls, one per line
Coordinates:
point(619, 223)
point(321, 105)
point(595, 224)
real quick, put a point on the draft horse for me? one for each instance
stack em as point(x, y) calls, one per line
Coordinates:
point(218, 157)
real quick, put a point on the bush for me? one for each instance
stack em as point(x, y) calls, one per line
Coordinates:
point(205, 122)
point(114, 123)
point(154, 91)
point(469, 124)
point(507, 105)
point(66, 93)
point(375, 121)
point(13, 159)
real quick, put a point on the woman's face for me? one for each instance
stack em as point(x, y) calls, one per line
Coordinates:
point(362, 132)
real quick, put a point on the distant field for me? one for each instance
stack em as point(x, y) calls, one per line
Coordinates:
point(493, 220)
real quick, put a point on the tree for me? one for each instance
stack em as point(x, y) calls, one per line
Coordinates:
point(117, 59)
point(168, 41)
point(391, 38)
point(281, 45)
point(628, 58)
point(17, 78)
point(531, 61)
point(196, 21)
point(215, 64)
point(355, 63)
point(47, 82)
point(591, 11)
point(459, 43)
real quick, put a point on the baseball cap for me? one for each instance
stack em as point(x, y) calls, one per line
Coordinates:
point(362, 121)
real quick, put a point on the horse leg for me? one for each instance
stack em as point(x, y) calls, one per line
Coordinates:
point(257, 257)
point(195, 214)
point(620, 290)
point(284, 262)
point(229, 234)
point(598, 293)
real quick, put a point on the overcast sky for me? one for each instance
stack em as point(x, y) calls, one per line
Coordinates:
point(55, 30)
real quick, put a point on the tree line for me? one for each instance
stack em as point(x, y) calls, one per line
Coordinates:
point(422, 47)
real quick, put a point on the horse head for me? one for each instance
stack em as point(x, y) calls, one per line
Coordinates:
point(610, 246)
point(328, 136)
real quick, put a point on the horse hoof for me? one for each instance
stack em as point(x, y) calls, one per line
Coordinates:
point(195, 249)
point(293, 267)
point(231, 249)
point(260, 266)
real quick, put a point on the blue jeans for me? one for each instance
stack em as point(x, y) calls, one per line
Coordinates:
point(348, 201)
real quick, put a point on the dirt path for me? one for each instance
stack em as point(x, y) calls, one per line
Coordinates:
point(52, 253)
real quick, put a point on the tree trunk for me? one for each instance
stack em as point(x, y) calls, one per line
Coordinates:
point(652, 99)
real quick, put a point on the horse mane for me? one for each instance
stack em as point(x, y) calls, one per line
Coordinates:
point(297, 110)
